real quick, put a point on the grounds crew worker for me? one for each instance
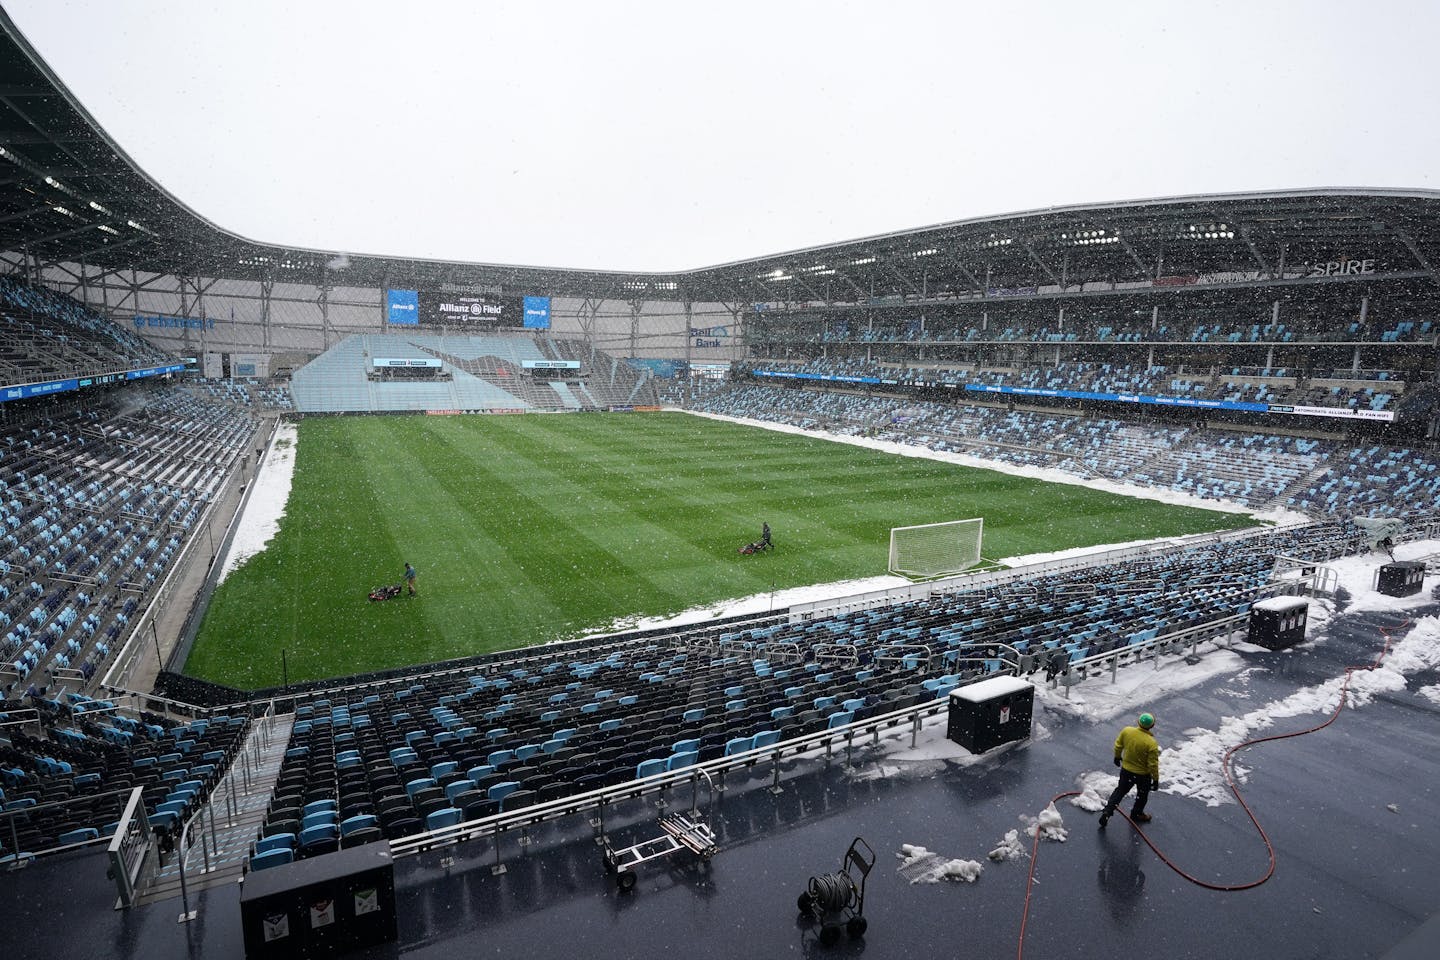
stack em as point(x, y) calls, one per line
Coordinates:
point(1138, 757)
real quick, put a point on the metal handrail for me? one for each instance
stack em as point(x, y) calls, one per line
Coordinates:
point(248, 762)
point(129, 847)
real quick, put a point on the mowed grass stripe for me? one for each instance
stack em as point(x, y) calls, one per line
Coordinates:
point(529, 528)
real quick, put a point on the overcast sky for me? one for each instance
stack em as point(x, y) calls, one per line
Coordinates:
point(667, 136)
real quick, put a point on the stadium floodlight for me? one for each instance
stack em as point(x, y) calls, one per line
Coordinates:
point(935, 549)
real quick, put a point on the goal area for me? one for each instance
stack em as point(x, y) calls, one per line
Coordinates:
point(935, 549)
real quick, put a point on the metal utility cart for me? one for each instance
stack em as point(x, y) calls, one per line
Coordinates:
point(835, 897)
point(678, 831)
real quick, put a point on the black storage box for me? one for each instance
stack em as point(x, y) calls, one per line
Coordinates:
point(321, 906)
point(986, 714)
point(1403, 578)
point(1279, 622)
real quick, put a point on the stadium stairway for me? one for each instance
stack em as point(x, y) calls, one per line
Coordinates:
point(229, 845)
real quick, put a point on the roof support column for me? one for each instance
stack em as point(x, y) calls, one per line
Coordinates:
point(635, 307)
point(689, 339)
point(267, 288)
point(324, 301)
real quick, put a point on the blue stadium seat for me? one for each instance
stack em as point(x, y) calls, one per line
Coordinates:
point(272, 858)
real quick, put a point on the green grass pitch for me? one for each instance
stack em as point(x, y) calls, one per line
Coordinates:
point(528, 528)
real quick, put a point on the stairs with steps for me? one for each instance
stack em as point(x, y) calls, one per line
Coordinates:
point(221, 832)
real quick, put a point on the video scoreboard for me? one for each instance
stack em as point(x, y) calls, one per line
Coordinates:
point(486, 311)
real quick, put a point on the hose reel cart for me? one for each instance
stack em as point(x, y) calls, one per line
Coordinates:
point(835, 898)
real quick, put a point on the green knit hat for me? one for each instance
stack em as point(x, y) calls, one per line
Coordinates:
point(1146, 721)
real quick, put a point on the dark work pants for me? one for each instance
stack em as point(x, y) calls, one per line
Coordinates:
point(1140, 781)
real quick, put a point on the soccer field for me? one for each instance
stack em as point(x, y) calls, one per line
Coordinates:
point(528, 528)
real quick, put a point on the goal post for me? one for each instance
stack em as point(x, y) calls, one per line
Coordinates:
point(935, 549)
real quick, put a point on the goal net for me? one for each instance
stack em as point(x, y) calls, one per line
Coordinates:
point(935, 549)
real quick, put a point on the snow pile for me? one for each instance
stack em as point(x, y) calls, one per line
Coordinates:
point(1140, 684)
point(762, 602)
point(1357, 576)
point(1010, 848)
point(1192, 768)
point(1095, 789)
point(1050, 825)
point(268, 496)
point(1431, 693)
point(919, 865)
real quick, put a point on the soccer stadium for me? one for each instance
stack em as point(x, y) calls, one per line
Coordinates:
point(788, 606)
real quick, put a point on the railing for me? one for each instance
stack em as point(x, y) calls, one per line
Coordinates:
point(248, 763)
point(19, 717)
point(11, 815)
point(129, 847)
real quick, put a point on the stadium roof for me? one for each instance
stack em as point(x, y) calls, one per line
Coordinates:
point(69, 193)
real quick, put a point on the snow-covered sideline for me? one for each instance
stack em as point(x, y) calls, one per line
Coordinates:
point(268, 496)
point(1049, 474)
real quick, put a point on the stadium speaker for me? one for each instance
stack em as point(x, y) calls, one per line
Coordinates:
point(1403, 578)
point(986, 714)
point(1279, 622)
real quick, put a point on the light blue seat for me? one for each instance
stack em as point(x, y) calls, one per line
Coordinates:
point(684, 758)
point(319, 835)
point(447, 817)
point(360, 821)
point(275, 841)
point(418, 784)
point(452, 790)
point(500, 791)
point(649, 768)
point(765, 738)
point(317, 806)
point(318, 818)
point(737, 745)
point(272, 858)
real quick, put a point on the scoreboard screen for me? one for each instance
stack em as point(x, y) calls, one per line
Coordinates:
point(487, 311)
point(469, 310)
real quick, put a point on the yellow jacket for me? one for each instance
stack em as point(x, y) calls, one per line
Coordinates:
point(1138, 752)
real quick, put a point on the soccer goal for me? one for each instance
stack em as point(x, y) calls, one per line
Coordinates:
point(935, 549)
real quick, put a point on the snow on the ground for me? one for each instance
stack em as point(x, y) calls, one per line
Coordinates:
point(1357, 576)
point(1191, 767)
point(1137, 685)
point(1050, 824)
point(1431, 693)
point(1009, 848)
point(269, 493)
point(1021, 470)
point(1095, 788)
point(763, 602)
point(919, 865)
